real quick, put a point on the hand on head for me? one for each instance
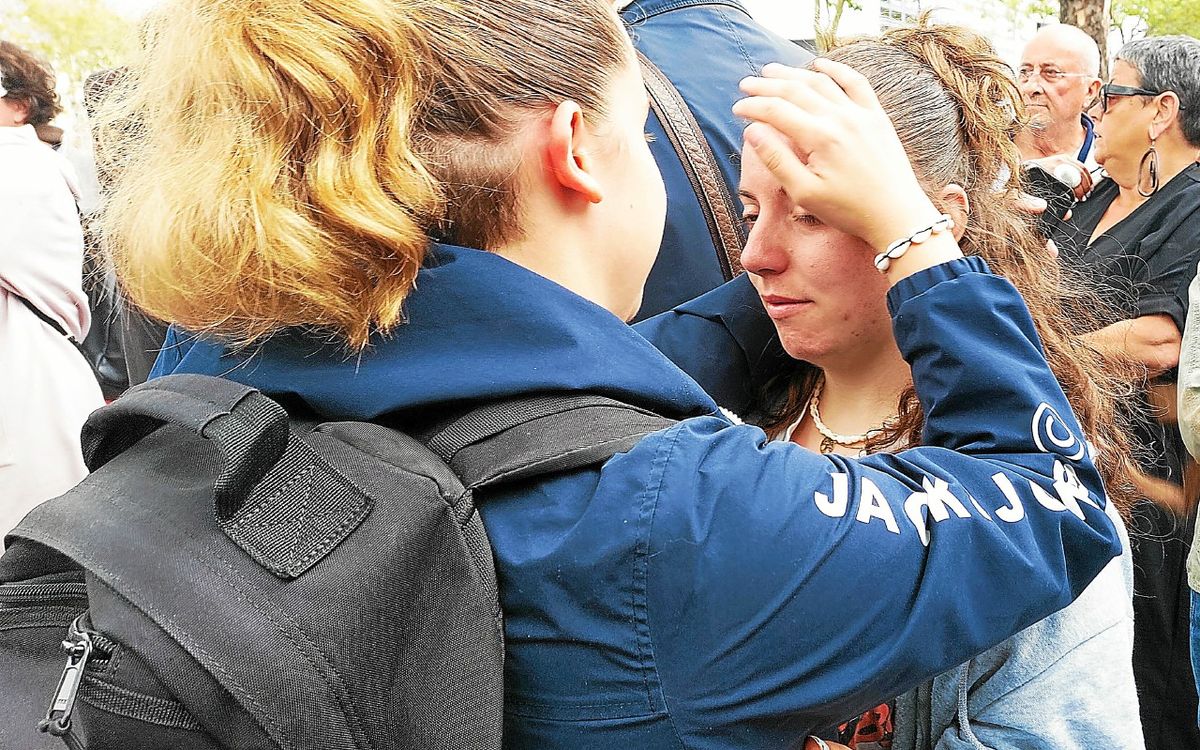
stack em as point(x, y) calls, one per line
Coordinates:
point(823, 134)
point(825, 137)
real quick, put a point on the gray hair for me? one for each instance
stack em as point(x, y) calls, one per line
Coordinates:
point(1170, 63)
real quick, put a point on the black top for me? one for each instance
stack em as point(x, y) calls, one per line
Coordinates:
point(1144, 263)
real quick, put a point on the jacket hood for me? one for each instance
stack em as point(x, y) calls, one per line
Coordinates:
point(479, 327)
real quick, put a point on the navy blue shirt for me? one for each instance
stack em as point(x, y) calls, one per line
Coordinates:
point(690, 593)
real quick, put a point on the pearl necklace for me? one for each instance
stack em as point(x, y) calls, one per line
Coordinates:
point(829, 438)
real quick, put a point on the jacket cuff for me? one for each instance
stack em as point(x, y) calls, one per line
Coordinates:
point(922, 281)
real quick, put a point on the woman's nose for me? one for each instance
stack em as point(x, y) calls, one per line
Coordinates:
point(762, 255)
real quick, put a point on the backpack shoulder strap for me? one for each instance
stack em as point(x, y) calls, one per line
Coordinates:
point(535, 435)
point(700, 164)
point(109, 526)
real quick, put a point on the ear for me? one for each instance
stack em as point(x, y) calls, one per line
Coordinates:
point(953, 200)
point(1166, 113)
point(1093, 90)
point(568, 152)
point(21, 110)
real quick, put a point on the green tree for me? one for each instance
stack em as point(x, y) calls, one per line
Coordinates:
point(1020, 9)
point(827, 14)
point(1128, 18)
point(77, 37)
point(1155, 17)
point(1093, 17)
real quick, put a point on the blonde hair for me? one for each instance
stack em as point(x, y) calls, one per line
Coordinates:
point(281, 163)
point(956, 108)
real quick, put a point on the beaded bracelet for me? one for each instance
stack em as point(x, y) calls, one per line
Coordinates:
point(898, 248)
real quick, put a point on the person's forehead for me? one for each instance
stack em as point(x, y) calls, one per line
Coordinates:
point(757, 180)
point(1049, 50)
point(1123, 72)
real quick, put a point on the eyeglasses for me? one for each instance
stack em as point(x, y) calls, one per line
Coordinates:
point(1049, 75)
point(1113, 89)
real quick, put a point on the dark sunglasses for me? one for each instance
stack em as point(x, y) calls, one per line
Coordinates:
point(1112, 89)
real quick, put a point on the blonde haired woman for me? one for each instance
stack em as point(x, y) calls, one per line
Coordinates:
point(297, 155)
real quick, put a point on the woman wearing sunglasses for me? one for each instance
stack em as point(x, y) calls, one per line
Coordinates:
point(1138, 237)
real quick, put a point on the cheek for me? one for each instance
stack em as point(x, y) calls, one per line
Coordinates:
point(848, 292)
point(657, 195)
point(8, 114)
point(1113, 138)
point(861, 306)
point(647, 207)
point(648, 193)
point(839, 266)
point(853, 291)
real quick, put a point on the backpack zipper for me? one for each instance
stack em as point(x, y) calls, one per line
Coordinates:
point(34, 593)
point(87, 649)
point(80, 646)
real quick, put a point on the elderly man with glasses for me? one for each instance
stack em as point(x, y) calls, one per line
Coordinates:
point(1059, 78)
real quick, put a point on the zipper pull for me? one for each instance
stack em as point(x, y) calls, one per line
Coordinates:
point(78, 646)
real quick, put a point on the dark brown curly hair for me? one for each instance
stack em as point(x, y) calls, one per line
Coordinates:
point(30, 81)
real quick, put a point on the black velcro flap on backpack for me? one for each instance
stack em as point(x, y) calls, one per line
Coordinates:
point(297, 514)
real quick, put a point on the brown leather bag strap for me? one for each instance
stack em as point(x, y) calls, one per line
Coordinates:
point(700, 165)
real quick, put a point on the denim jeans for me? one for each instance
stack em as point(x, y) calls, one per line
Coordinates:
point(1196, 644)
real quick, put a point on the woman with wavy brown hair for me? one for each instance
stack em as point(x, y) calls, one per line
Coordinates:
point(47, 389)
point(296, 155)
point(848, 391)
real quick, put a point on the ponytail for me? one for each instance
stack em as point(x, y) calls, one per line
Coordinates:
point(264, 172)
point(981, 86)
point(282, 162)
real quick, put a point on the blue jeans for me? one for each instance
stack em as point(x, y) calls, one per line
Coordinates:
point(1196, 643)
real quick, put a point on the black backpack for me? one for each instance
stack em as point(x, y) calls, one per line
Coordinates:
point(228, 577)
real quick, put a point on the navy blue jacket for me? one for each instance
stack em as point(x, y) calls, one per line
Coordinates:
point(709, 588)
point(704, 47)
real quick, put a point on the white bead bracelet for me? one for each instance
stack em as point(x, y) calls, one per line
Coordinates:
point(897, 249)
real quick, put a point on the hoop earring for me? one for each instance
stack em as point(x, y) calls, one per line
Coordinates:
point(1150, 156)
